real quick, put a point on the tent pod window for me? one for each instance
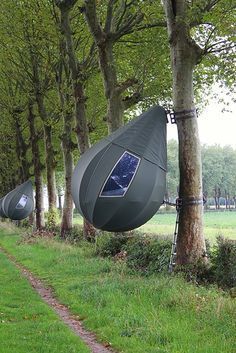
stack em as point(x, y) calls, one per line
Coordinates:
point(121, 176)
point(22, 202)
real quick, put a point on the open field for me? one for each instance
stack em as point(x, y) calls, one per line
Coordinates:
point(160, 314)
point(215, 224)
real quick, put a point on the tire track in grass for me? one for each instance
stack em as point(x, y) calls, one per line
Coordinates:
point(62, 310)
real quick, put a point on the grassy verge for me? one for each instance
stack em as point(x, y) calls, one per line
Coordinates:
point(215, 224)
point(135, 314)
point(26, 323)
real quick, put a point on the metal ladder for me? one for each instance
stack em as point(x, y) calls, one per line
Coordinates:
point(173, 247)
point(178, 205)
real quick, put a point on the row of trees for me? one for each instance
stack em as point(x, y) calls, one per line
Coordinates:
point(219, 173)
point(62, 86)
point(73, 70)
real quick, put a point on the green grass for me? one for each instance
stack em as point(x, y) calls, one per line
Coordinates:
point(26, 323)
point(135, 314)
point(215, 224)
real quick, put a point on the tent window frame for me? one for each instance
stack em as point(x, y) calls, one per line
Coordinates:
point(21, 204)
point(131, 180)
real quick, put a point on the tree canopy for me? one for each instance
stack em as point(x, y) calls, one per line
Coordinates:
point(71, 70)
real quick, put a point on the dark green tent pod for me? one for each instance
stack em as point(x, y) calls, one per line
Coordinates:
point(120, 182)
point(2, 214)
point(19, 203)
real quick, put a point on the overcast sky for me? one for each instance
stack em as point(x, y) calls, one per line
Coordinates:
point(215, 127)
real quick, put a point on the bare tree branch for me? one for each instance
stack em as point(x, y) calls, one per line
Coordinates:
point(91, 14)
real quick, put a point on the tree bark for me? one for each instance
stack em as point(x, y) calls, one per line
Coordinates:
point(67, 211)
point(22, 148)
point(115, 108)
point(184, 56)
point(105, 40)
point(215, 199)
point(78, 82)
point(226, 200)
point(49, 152)
point(218, 197)
point(22, 176)
point(60, 202)
point(32, 219)
point(39, 202)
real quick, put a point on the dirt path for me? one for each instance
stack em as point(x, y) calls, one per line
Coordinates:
point(63, 312)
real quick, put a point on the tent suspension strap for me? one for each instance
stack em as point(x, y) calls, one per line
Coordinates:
point(180, 202)
point(186, 201)
point(181, 115)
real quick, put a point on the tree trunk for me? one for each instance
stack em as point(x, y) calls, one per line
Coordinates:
point(115, 108)
point(105, 39)
point(66, 143)
point(218, 197)
point(205, 200)
point(67, 212)
point(49, 152)
point(21, 151)
point(88, 230)
point(191, 244)
point(226, 200)
point(50, 167)
point(32, 219)
point(60, 202)
point(78, 93)
point(39, 204)
point(77, 82)
point(184, 56)
point(215, 197)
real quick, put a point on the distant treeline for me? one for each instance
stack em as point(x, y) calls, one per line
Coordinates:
point(219, 174)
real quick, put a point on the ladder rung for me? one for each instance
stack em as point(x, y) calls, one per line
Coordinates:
point(174, 241)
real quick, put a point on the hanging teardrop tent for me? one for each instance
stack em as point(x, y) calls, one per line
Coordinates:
point(119, 183)
point(2, 214)
point(19, 203)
